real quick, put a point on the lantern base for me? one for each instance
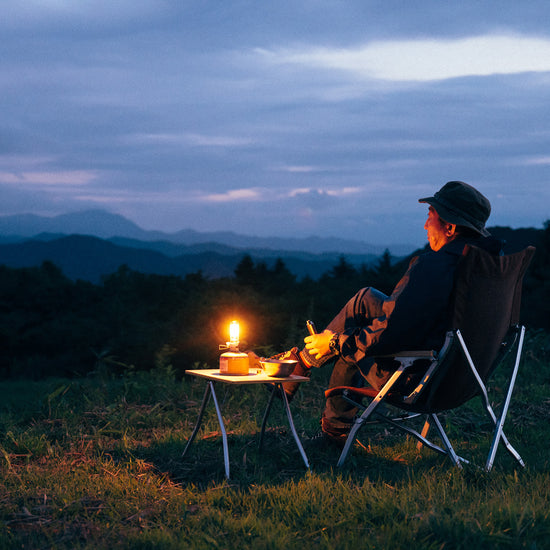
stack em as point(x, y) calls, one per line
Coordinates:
point(234, 363)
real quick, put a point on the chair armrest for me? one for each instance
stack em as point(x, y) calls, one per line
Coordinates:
point(416, 354)
point(405, 358)
point(339, 390)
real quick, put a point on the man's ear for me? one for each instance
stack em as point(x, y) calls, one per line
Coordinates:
point(450, 229)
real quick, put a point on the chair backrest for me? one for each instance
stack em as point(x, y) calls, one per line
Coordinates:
point(486, 304)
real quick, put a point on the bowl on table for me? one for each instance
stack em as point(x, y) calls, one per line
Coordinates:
point(278, 368)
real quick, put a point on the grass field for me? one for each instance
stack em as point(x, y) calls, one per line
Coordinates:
point(96, 463)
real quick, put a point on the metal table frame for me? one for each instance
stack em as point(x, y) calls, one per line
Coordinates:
point(214, 375)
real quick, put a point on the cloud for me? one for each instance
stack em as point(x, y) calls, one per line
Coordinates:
point(70, 177)
point(426, 59)
point(538, 161)
point(299, 169)
point(341, 119)
point(41, 13)
point(233, 195)
point(190, 139)
point(332, 192)
point(31, 171)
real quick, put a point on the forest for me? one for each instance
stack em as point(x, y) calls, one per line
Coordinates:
point(51, 325)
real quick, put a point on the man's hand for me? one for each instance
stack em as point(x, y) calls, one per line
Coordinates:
point(318, 344)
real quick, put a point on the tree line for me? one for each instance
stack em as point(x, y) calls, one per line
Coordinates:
point(53, 326)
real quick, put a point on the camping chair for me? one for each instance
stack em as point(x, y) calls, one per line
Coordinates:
point(484, 329)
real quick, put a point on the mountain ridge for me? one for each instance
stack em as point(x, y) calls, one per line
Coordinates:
point(103, 224)
point(91, 258)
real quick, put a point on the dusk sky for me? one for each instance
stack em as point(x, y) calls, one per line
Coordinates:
point(275, 118)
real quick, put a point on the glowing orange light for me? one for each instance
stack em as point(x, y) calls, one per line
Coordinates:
point(234, 334)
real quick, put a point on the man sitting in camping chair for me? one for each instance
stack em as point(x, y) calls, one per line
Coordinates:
point(416, 316)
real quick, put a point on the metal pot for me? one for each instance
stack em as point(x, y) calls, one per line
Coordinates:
point(279, 368)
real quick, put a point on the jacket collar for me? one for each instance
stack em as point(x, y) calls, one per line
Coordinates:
point(490, 244)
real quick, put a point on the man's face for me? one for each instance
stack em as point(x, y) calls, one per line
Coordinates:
point(438, 230)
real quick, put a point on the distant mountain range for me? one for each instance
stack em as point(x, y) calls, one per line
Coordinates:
point(89, 258)
point(91, 244)
point(105, 225)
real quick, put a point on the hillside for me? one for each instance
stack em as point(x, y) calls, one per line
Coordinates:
point(105, 225)
point(89, 258)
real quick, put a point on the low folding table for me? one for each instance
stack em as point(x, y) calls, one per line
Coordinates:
point(254, 377)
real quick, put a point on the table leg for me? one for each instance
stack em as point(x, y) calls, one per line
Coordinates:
point(291, 422)
point(274, 390)
point(222, 428)
point(210, 391)
point(199, 419)
point(207, 392)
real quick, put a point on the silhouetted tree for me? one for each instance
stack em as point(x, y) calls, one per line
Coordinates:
point(245, 272)
point(51, 325)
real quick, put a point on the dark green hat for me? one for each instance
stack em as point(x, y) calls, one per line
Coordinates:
point(459, 203)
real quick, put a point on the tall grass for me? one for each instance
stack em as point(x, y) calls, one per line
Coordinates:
point(96, 463)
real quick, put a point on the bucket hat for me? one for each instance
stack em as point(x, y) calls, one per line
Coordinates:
point(460, 203)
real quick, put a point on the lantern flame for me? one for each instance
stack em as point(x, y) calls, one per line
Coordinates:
point(234, 334)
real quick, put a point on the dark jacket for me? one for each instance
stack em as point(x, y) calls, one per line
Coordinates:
point(416, 313)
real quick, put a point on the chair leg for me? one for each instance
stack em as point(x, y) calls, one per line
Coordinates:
point(411, 431)
point(367, 412)
point(351, 437)
point(450, 451)
point(499, 424)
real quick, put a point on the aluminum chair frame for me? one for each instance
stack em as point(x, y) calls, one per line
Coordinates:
point(406, 360)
